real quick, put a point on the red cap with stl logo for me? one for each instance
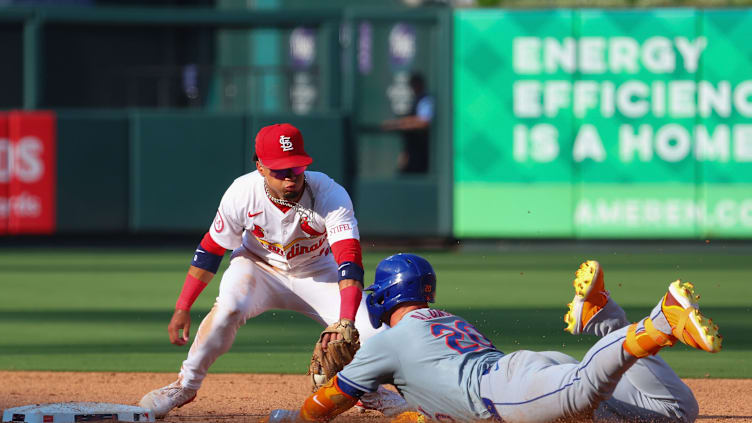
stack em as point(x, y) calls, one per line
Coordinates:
point(280, 146)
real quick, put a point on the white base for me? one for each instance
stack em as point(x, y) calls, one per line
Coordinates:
point(71, 412)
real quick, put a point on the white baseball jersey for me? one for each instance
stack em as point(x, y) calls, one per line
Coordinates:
point(285, 240)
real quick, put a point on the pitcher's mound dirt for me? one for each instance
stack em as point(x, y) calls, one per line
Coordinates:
point(248, 397)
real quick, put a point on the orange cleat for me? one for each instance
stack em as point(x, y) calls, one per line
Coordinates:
point(590, 296)
point(688, 325)
point(409, 417)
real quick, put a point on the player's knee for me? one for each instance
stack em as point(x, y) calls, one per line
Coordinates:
point(687, 407)
point(231, 313)
point(682, 406)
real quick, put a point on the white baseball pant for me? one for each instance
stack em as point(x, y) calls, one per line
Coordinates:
point(250, 287)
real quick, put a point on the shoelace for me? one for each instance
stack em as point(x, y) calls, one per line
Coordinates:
point(173, 389)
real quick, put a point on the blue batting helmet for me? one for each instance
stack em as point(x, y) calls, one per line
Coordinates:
point(399, 278)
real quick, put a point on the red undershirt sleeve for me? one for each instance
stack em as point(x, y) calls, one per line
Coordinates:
point(348, 250)
point(208, 260)
point(208, 244)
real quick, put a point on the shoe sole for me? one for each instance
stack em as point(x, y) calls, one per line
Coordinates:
point(151, 406)
point(703, 333)
point(583, 285)
point(187, 402)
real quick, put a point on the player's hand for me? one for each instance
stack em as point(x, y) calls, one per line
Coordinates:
point(181, 320)
point(340, 351)
point(329, 337)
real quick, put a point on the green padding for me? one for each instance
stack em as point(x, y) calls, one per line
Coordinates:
point(181, 164)
point(92, 172)
point(512, 210)
point(397, 208)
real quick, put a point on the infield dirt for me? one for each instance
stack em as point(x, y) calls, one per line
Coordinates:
point(249, 397)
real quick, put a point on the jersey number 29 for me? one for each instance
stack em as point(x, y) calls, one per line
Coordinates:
point(463, 337)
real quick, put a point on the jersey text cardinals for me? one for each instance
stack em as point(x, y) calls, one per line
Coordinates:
point(286, 240)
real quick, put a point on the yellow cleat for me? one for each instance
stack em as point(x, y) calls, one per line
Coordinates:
point(590, 296)
point(688, 325)
point(409, 417)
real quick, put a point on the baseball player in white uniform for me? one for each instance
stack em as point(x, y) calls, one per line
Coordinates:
point(295, 246)
point(451, 372)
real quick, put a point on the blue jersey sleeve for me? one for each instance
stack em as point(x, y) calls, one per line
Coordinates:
point(374, 364)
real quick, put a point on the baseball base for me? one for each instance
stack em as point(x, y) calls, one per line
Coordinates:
point(65, 412)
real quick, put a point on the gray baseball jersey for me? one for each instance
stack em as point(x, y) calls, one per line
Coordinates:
point(434, 358)
point(450, 372)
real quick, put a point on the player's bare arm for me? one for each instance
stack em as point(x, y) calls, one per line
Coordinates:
point(348, 256)
point(203, 267)
point(406, 123)
point(345, 283)
point(180, 323)
point(339, 341)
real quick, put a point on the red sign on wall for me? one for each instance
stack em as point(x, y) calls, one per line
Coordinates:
point(32, 174)
point(4, 173)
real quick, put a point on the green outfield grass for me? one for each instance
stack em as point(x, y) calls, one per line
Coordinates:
point(108, 309)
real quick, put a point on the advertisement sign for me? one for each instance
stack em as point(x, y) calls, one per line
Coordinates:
point(603, 124)
point(31, 173)
point(4, 173)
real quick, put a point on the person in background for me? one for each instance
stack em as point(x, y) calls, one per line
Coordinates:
point(415, 129)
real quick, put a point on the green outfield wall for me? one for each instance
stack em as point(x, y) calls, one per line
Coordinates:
point(157, 107)
point(603, 123)
point(142, 171)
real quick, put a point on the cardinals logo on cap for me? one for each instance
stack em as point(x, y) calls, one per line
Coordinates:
point(285, 143)
point(280, 146)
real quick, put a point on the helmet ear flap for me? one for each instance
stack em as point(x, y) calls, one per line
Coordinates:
point(375, 304)
point(380, 299)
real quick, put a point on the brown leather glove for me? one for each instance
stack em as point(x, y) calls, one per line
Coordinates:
point(340, 352)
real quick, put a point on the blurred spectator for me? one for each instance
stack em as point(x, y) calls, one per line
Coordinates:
point(415, 128)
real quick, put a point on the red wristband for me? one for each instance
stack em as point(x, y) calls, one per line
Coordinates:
point(191, 288)
point(349, 302)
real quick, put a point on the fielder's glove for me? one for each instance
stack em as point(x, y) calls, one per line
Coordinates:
point(326, 364)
